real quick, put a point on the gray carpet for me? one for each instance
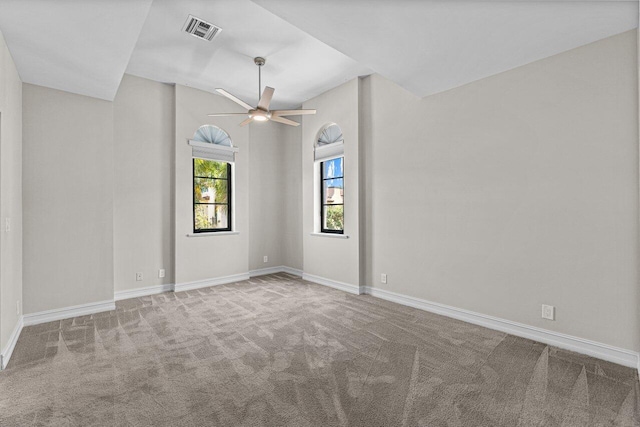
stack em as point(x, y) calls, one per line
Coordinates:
point(278, 351)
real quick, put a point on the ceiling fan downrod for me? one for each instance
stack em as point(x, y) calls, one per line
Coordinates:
point(259, 61)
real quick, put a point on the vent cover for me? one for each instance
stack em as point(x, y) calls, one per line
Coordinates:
point(200, 29)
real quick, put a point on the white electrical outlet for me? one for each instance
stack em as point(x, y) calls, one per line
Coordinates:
point(161, 273)
point(265, 259)
point(548, 312)
point(18, 308)
point(383, 278)
point(138, 277)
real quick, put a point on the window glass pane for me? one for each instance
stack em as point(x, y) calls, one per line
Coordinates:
point(209, 168)
point(333, 217)
point(221, 192)
point(332, 168)
point(201, 190)
point(206, 190)
point(333, 191)
point(209, 217)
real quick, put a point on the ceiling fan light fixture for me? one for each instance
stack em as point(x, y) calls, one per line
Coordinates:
point(259, 115)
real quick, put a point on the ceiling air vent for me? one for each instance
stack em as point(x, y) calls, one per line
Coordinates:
point(200, 29)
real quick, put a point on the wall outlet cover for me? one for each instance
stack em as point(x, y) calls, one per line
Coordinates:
point(138, 277)
point(161, 273)
point(383, 278)
point(548, 312)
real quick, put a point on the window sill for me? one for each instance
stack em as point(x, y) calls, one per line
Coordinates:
point(213, 233)
point(332, 235)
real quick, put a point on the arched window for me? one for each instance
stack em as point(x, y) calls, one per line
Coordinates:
point(329, 153)
point(213, 156)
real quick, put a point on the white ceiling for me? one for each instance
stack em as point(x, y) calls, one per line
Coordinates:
point(298, 66)
point(310, 45)
point(432, 46)
point(76, 46)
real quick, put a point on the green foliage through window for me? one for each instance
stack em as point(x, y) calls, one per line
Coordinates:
point(332, 193)
point(211, 195)
point(335, 218)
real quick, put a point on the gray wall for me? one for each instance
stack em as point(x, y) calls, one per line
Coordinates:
point(143, 147)
point(99, 195)
point(10, 194)
point(516, 190)
point(329, 257)
point(292, 194)
point(274, 201)
point(498, 196)
point(265, 196)
point(67, 199)
point(214, 256)
point(266, 193)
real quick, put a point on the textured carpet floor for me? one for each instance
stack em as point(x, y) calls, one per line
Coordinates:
point(278, 351)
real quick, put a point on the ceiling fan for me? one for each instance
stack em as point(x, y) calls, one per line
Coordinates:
point(261, 113)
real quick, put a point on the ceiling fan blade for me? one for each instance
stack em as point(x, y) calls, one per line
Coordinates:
point(265, 99)
point(281, 113)
point(226, 114)
point(246, 122)
point(284, 121)
point(234, 99)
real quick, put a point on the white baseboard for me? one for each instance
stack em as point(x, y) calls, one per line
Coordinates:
point(291, 270)
point(68, 312)
point(579, 345)
point(353, 289)
point(187, 286)
point(143, 292)
point(170, 287)
point(265, 271)
point(13, 339)
point(599, 350)
point(274, 270)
